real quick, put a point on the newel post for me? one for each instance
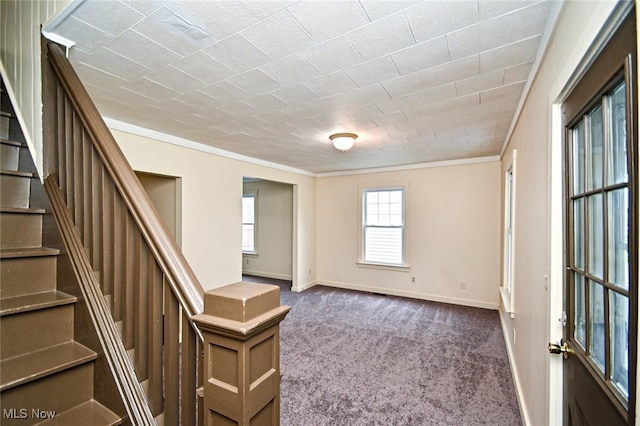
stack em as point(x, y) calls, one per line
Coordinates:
point(241, 329)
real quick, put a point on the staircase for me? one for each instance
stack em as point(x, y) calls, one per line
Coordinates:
point(46, 376)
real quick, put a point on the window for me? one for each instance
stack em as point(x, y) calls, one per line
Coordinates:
point(249, 222)
point(506, 290)
point(383, 226)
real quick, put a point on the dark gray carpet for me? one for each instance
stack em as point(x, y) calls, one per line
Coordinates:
point(354, 358)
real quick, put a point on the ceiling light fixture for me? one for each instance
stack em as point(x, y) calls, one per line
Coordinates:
point(343, 141)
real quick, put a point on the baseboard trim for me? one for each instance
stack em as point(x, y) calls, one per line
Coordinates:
point(514, 372)
point(304, 287)
point(266, 275)
point(412, 295)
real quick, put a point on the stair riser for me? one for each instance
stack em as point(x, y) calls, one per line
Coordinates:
point(15, 191)
point(56, 393)
point(24, 275)
point(21, 230)
point(4, 127)
point(9, 157)
point(31, 331)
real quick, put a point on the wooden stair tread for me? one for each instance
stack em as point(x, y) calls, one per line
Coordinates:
point(35, 365)
point(12, 142)
point(32, 302)
point(22, 210)
point(16, 173)
point(28, 252)
point(89, 413)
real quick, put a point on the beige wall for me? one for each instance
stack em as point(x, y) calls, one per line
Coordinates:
point(538, 245)
point(212, 205)
point(274, 230)
point(20, 62)
point(453, 234)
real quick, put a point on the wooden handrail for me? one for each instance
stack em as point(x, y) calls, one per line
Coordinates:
point(141, 293)
point(182, 280)
point(116, 355)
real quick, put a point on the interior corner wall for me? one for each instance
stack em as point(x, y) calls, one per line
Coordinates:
point(274, 225)
point(528, 332)
point(20, 61)
point(212, 206)
point(452, 228)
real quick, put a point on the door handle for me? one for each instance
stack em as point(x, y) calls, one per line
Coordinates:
point(560, 348)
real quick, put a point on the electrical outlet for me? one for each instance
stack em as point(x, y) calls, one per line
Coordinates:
point(463, 285)
point(413, 279)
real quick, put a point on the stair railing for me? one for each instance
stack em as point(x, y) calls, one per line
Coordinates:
point(121, 248)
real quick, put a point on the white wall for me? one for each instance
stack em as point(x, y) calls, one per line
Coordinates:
point(538, 262)
point(20, 62)
point(274, 231)
point(212, 206)
point(453, 231)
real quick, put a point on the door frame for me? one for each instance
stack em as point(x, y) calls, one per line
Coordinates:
point(571, 75)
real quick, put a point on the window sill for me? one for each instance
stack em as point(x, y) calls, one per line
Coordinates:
point(399, 268)
point(506, 300)
point(250, 253)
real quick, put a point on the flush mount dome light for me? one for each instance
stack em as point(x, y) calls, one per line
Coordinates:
point(343, 141)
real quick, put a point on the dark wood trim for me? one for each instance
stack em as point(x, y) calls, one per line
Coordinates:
point(115, 353)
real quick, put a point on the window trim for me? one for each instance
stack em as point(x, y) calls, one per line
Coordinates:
point(362, 190)
point(252, 193)
point(508, 249)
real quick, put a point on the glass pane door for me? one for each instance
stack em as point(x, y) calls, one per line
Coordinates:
point(600, 231)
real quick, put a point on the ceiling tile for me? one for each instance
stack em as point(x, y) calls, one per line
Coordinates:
point(140, 49)
point(225, 91)
point(423, 55)
point(75, 29)
point(90, 75)
point(382, 37)
point(254, 81)
point(290, 70)
point(111, 17)
point(266, 102)
point(237, 53)
point(332, 84)
point(499, 94)
point(204, 67)
point(173, 32)
point(273, 78)
point(325, 20)
point(432, 19)
point(145, 7)
point(480, 83)
point(373, 71)
point(372, 93)
point(264, 8)
point(278, 36)
point(377, 9)
point(207, 16)
point(296, 94)
point(510, 55)
point(332, 56)
point(179, 81)
point(518, 73)
point(117, 65)
point(450, 72)
point(151, 89)
point(407, 84)
point(491, 8)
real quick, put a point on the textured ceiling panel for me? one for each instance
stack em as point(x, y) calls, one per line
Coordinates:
point(418, 81)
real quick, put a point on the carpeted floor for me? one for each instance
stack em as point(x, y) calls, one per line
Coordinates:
point(354, 358)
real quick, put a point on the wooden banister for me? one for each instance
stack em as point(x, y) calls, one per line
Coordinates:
point(183, 281)
point(141, 293)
